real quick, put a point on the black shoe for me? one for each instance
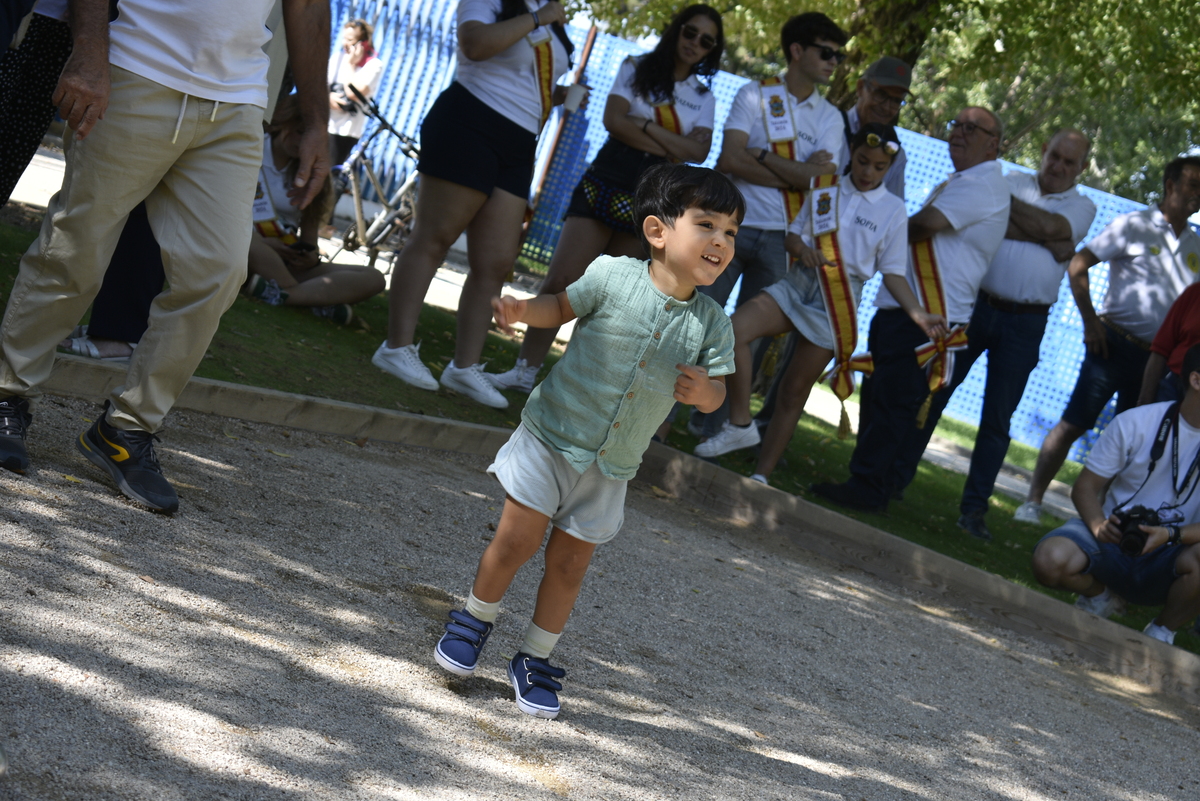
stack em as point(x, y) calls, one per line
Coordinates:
point(844, 495)
point(972, 523)
point(14, 425)
point(129, 458)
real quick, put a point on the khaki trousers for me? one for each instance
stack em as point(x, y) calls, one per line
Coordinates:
point(198, 187)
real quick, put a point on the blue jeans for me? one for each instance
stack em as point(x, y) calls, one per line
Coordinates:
point(1099, 378)
point(1142, 580)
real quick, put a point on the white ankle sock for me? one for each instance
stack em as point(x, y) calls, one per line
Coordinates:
point(481, 610)
point(539, 642)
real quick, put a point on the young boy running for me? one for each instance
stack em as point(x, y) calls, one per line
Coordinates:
point(645, 339)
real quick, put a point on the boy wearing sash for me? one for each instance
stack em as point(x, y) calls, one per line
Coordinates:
point(1147, 457)
point(849, 229)
point(952, 241)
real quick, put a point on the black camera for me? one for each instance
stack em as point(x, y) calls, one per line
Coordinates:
point(1133, 539)
point(345, 104)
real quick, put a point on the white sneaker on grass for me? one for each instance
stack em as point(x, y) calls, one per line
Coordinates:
point(472, 382)
point(521, 377)
point(405, 363)
point(1028, 512)
point(730, 438)
point(1159, 633)
point(1102, 605)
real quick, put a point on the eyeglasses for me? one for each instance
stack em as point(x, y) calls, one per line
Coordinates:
point(828, 53)
point(690, 32)
point(968, 128)
point(884, 98)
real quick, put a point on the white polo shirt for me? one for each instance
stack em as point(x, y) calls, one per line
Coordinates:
point(818, 126)
point(507, 82)
point(1026, 272)
point(872, 229)
point(214, 52)
point(894, 178)
point(694, 103)
point(1148, 268)
point(975, 201)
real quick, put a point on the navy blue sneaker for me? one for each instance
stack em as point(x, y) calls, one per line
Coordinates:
point(14, 425)
point(458, 650)
point(534, 681)
point(129, 457)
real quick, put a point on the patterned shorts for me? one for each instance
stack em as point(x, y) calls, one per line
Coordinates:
point(600, 200)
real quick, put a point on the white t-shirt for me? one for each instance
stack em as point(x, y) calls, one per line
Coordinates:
point(818, 127)
point(894, 178)
point(1026, 272)
point(507, 82)
point(1148, 268)
point(976, 203)
point(212, 51)
point(274, 182)
point(366, 78)
point(54, 9)
point(872, 229)
point(694, 103)
point(1123, 452)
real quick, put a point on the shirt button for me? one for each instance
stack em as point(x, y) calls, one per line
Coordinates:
point(642, 364)
point(617, 424)
point(603, 452)
point(667, 307)
point(658, 335)
point(629, 394)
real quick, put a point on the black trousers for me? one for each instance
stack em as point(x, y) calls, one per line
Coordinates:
point(134, 279)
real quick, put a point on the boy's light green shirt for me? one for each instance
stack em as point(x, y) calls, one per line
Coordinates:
point(606, 397)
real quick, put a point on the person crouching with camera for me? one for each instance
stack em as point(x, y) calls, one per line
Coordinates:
point(1139, 510)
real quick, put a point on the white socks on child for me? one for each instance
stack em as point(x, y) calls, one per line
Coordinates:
point(481, 610)
point(539, 642)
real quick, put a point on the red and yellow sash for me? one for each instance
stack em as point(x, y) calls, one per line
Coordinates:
point(793, 199)
point(543, 62)
point(272, 229)
point(666, 116)
point(936, 356)
point(841, 307)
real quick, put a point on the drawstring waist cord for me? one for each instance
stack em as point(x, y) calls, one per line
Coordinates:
point(183, 108)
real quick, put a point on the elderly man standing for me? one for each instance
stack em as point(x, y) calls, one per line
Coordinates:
point(880, 94)
point(952, 239)
point(1152, 257)
point(1047, 220)
point(167, 106)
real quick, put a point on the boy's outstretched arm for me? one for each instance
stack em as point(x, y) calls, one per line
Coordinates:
point(544, 311)
point(694, 387)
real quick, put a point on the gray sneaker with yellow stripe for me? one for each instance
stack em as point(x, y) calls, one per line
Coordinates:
point(129, 458)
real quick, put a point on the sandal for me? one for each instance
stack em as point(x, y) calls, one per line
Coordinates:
point(81, 344)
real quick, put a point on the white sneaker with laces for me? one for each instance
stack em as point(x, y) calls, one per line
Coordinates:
point(521, 377)
point(405, 363)
point(472, 382)
point(1159, 633)
point(1102, 605)
point(760, 478)
point(729, 438)
point(1028, 512)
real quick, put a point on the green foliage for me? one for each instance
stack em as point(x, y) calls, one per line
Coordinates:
point(1121, 71)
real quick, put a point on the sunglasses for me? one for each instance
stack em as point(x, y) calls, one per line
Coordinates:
point(690, 32)
point(891, 148)
point(828, 53)
point(968, 128)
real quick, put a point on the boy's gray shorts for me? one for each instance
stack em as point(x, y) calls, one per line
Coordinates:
point(589, 506)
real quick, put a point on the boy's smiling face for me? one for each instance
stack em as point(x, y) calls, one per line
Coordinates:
point(693, 252)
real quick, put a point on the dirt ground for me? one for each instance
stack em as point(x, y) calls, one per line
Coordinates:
point(274, 640)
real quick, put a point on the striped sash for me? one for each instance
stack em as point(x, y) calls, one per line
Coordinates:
point(793, 199)
point(543, 62)
point(936, 356)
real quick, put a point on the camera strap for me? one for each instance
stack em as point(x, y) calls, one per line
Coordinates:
point(1166, 427)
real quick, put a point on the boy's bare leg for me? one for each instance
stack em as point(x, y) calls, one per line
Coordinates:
point(808, 360)
point(567, 560)
point(1051, 456)
point(518, 538)
point(758, 317)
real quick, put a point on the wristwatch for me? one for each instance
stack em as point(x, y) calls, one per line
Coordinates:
point(1175, 536)
point(762, 156)
point(537, 23)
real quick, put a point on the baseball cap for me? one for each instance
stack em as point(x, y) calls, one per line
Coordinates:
point(889, 71)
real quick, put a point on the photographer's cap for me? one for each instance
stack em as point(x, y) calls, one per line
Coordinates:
point(889, 71)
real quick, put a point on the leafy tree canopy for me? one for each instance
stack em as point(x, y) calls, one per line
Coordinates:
point(1123, 71)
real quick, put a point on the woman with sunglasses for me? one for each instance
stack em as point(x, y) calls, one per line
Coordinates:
point(477, 153)
point(658, 110)
point(863, 228)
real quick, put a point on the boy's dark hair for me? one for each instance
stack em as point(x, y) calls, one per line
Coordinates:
point(806, 29)
point(874, 134)
point(666, 191)
point(654, 76)
point(1174, 171)
point(1191, 364)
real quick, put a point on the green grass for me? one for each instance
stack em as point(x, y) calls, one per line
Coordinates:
point(293, 351)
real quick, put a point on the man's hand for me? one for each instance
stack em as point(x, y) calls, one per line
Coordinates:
point(508, 310)
point(1107, 530)
point(1156, 537)
point(819, 157)
point(701, 135)
point(695, 388)
point(81, 94)
point(934, 325)
point(313, 167)
point(1095, 337)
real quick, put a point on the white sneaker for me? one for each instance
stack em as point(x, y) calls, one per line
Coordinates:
point(405, 363)
point(472, 382)
point(1102, 605)
point(521, 377)
point(1159, 633)
point(729, 438)
point(1028, 512)
point(760, 478)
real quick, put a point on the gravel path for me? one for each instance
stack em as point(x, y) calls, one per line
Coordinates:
point(273, 640)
